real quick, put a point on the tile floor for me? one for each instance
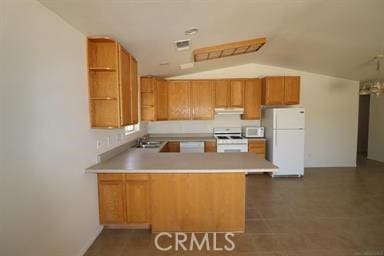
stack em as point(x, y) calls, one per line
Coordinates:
point(331, 211)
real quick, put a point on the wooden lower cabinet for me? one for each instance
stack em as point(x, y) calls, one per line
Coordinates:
point(171, 146)
point(111, 202)
point(199, 202)
point(196, 202)
point(124, 199)
point(257, 146)
point(210, 146)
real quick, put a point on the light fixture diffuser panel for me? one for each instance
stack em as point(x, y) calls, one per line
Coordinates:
point(230, 49)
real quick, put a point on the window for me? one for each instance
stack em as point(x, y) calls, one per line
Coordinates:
point(130, 129)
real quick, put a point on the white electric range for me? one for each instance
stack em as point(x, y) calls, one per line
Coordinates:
point(229, 139)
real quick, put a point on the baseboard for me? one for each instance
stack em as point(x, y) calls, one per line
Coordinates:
point(90, 241)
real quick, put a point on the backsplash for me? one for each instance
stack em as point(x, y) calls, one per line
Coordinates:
point(199, 126)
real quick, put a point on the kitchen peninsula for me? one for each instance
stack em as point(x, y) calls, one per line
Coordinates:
point(146, 188)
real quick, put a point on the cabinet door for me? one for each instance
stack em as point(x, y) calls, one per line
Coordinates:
point(125, 87)
point(179, 100)
point(111, 202)
point(147, 99)
point(134, 93)
point(252, 99)
point(137, 194)
point(210, 146)
point(291, 90)
point(273, 90)
point(221, 93)
point(237, 93)
point(173, 146)
point(162, 100)
point(202, 99)
point(257, 146)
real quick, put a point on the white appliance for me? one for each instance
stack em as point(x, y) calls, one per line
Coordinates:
point(229, 139)
point(192, 147)
point(284, 130)
point(253, 131)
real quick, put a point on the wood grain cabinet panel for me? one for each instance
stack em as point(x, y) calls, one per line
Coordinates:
point(202, 99)
point(210, 146)
point(257, 146)
point(252, 99)
point(162, 100)
point(138, 201)
point(179, 100)
point(154, 99)
point(273, 90)
point(179, 202)
point(125, 87)
point(124, 198)
point(134, 92)
point(281, 90)
point(111, 202)
point(173, 146)
point(112, 81)
point(237, 93)
point(222, 91)
point(291, 90)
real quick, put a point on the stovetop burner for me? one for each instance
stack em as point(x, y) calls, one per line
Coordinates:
point(223, 137)
point(236, 137)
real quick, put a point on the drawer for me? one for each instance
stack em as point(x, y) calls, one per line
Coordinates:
point(110, 176)
point(136, 176)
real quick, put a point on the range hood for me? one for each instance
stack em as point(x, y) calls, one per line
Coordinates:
point(229, 111)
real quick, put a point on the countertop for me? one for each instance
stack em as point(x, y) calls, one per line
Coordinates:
point(138, 160)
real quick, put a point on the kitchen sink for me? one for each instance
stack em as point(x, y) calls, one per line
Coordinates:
point(149, 144)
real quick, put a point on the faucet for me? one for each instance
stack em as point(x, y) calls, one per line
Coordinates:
point(140, 140)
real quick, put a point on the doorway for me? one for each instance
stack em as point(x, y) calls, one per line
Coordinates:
point(363, 127)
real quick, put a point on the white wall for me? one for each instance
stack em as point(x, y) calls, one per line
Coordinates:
point(376, 128)
point(48, 204)
point(331, 113)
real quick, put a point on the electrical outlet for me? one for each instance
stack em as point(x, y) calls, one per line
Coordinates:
point(108, 140)
point(99, 143)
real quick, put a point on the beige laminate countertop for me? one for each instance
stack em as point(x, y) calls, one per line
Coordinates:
point(137, 160)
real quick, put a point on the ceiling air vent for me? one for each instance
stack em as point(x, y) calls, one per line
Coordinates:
point(183, 45)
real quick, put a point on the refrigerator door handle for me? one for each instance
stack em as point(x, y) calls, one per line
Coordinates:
point(275, 131)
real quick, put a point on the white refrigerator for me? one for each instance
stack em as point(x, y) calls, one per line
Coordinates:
point(284, 131)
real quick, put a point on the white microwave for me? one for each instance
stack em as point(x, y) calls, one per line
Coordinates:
point(253, 132)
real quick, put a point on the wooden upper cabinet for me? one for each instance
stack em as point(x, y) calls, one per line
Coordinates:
point(134, 92)
point(202, 99)
point(162, 100)
point(252, 99)
point(179, 100)
point(236, 93)
point(222, 92)
point(148, 98)
point(281, 90)
point(125, 87)
point(291, 90)
point(112, 78)
point(273, 90)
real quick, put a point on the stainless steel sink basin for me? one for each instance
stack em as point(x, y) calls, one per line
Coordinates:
point(149, 144)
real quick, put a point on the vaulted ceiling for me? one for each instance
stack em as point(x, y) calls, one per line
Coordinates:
point(331, 37)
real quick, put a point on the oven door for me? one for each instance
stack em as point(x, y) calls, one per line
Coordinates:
point(229, 148)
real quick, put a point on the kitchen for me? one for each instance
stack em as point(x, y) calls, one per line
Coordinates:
point(105, 147)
